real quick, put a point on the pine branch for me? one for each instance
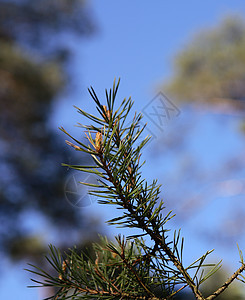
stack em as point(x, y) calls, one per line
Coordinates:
point(122, 270)
point(154, 234)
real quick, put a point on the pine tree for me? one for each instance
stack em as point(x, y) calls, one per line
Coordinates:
point(131, 267)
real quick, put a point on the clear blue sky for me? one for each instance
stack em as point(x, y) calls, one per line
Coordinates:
point(136, 40)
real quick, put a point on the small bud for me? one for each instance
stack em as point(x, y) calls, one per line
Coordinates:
point(107, 113)
point(98, 141)
point(97, 259)
point(64, 267)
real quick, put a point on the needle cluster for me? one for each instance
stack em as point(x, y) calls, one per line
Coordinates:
point(131, 267)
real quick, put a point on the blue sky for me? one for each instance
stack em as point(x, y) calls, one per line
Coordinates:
point(137, 40)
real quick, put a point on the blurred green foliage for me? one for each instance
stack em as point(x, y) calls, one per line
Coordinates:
point(211, 67)
point(31, 153)
point(39, 22)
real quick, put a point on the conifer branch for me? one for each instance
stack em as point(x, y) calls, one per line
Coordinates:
point(129, 269)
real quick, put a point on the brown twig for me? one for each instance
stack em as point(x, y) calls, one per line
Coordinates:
point(122, 295)
point(226, 284)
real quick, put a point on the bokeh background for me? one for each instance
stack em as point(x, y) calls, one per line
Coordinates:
point(50, 52)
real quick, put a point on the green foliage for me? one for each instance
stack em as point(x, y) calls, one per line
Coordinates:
point(34, 21)
point(211, 68)
point(32, 78)
point(131, 267)
point(25, 79)
point(28, 146)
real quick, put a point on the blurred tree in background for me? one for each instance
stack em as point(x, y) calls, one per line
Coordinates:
point(37, 23)
point(211, 68)
point(32, 76)
point(209, 74)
